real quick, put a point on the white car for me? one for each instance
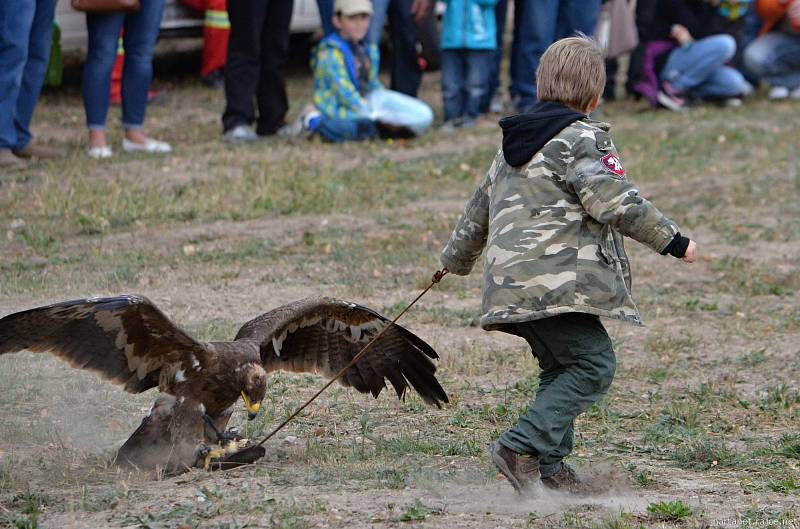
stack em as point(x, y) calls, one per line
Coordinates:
point(178, 20)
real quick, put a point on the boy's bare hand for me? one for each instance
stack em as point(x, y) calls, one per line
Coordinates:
point(691, 252)
point(681, 34)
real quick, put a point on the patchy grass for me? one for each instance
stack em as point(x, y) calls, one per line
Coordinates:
point(705, 402)
point(670, 510)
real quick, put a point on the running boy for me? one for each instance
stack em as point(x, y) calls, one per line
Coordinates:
point(552, 211)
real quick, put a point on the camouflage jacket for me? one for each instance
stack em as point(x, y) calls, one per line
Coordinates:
point(553, 230)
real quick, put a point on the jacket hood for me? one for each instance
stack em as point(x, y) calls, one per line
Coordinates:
point(525, 134)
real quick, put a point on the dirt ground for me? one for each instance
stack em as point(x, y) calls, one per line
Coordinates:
point(700, 428)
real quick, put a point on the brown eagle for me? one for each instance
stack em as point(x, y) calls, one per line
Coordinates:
point(129, 341)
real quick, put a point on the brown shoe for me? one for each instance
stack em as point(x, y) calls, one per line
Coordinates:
point(35, 150)
point(564, 479)
point(521, 470)
point(10, 162)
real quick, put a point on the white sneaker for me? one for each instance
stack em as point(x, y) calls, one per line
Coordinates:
point(150, 145)
point(240, 134)
point(671, 102)
point(300, 127)
point(496, 105)
point(776, 93)
point(99, 153)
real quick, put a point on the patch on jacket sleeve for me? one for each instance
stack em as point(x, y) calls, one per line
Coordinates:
point(612, 162)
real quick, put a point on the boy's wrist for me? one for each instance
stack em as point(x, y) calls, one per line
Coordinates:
point(677, 246)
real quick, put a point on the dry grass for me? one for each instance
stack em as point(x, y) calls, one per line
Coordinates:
point(703, 413)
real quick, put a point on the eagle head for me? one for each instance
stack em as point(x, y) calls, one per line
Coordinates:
point(253, 384)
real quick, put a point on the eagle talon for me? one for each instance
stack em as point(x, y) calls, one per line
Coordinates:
point(201, 453)
point(218, 453)
point(229, 435)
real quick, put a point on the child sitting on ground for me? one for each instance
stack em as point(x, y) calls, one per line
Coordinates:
point(468, 43)
point(552, 211)
point(345, 81)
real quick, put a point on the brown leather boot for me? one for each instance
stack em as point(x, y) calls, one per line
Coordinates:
point(36, 150)
point(564, 479)
point(10, 162)
point(521, 470)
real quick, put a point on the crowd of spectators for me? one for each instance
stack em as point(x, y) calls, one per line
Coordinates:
point(688, 51)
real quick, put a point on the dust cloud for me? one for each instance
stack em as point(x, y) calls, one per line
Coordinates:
point(472, 491)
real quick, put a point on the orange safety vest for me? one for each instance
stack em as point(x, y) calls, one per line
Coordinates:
point(216, 30)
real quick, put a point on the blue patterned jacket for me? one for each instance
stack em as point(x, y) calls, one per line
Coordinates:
point(337, 90)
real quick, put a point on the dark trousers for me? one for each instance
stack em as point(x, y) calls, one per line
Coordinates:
point(257, 51)
point(577, 366)
point(406, 75)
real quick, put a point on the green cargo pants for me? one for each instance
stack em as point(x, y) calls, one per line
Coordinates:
point(577, 366)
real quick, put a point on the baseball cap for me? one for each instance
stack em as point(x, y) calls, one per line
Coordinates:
point(352, 7)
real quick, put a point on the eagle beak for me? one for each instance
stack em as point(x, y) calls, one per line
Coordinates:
point(252, 408)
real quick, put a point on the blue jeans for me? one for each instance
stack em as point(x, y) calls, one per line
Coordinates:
point(537, 24)
point(141, 32)
point(326, 15)
point(775, 57)
point(25, 36)
point(465, 75)
point(339, 130)
point(376, 22)
point(699, 68)
point(500, 15)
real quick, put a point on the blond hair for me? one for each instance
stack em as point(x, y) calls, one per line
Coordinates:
point(572, 72)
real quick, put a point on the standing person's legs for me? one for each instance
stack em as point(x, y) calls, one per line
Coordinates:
point(35, 68)
point(577, 15)
point(325, 8)
point(243, 64)
point(691, 65)
point(775, 57)
point(16, 19)
point(453, 83)
point(578, 364)
point(103, 33)
point(273, 103)
point(534, 31)
point(477, 64)
point(501, 15)
point(406, 75)
point(141, 32)
point(377, 21)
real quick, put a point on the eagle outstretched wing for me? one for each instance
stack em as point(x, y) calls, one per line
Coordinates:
point(124, 339)
point(322, 335)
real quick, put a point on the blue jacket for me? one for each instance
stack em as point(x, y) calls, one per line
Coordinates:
point(469, 24)
point(337, 90)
